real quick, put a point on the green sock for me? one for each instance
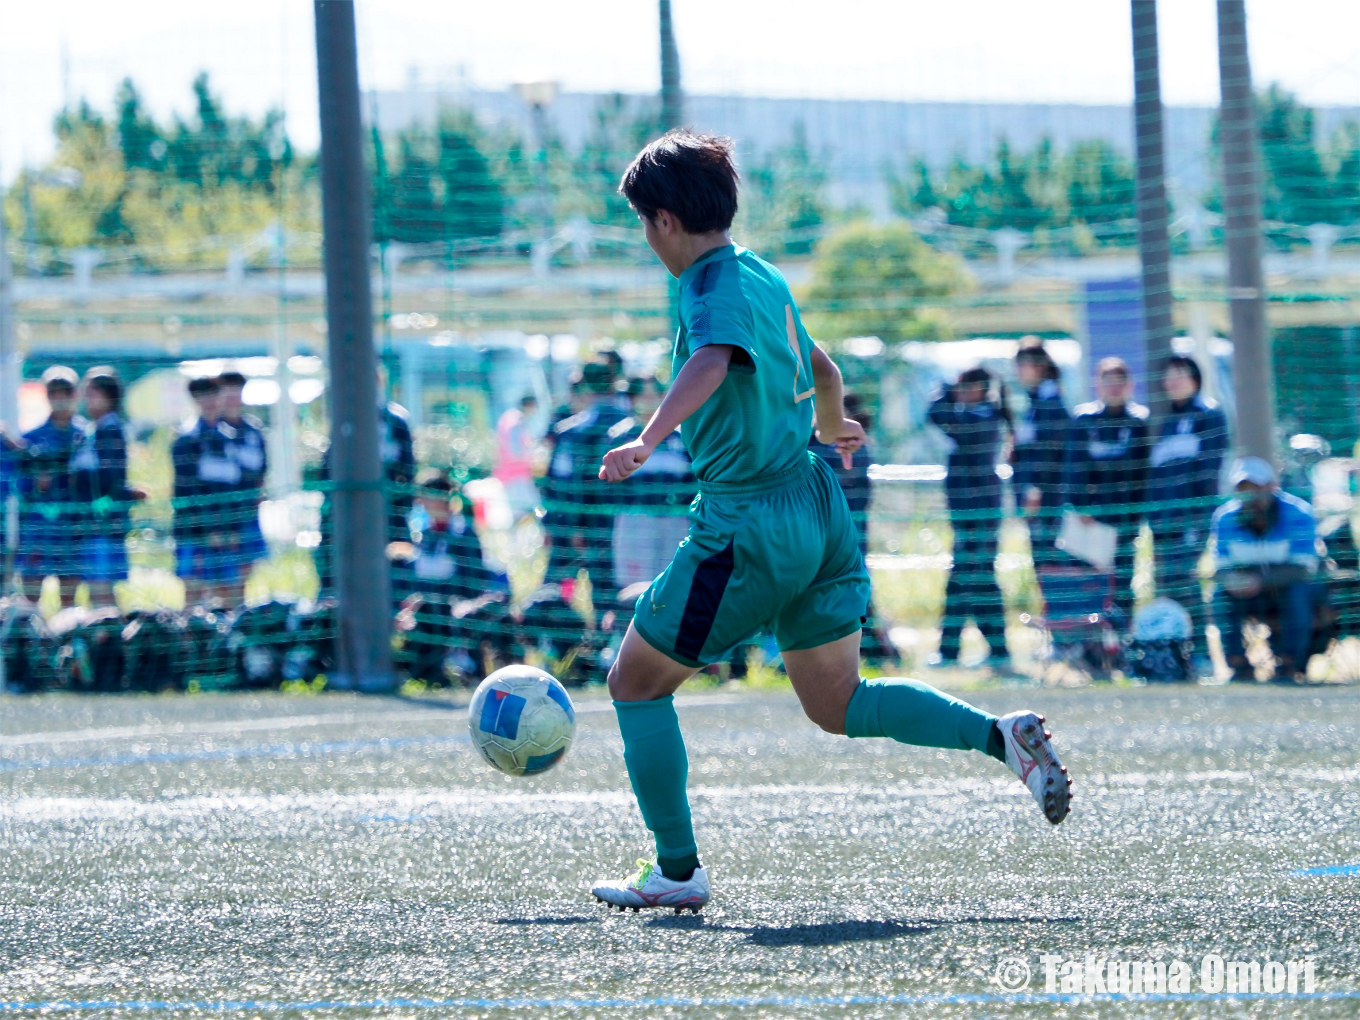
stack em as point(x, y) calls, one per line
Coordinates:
point(911, 712)
point(654, 752)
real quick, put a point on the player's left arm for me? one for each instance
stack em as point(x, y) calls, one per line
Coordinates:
point(700, 377)
point(833, 427)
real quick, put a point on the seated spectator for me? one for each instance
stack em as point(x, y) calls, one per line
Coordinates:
point(1266, 558)
point(443, 561)
point(48, 522)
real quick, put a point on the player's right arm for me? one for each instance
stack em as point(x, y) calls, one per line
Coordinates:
point(700, 377)
point(833, 427)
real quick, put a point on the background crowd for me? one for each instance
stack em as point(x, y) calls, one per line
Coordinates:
point(1101, 469)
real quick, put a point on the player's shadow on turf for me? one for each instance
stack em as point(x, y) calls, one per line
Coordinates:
point(828, 933)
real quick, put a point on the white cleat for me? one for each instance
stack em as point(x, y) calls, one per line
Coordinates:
point(1030, 755)
point(647, 887)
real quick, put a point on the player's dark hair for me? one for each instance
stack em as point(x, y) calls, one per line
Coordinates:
point(202, 387)
point(1033, 351)
point(691, 176)
point(1186, 364)
point(104, 378)
point(433, 481)
point(233, 379)
point(984, 378)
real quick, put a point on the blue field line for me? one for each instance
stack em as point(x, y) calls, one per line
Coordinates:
point(307, 749)
point(1331, 869)
point(938, 999)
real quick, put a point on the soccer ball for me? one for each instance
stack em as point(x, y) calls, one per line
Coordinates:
point(521, 720)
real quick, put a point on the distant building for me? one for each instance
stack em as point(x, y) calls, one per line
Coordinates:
point(859, 137)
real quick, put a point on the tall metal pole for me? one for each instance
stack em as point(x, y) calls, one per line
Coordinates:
point(359, 541)
point(9, 406)
point(672, 99)
point(1252, 377)
point(9, 360)
point(1154, 242)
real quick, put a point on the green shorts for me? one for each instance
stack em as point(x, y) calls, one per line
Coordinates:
point(780, 553)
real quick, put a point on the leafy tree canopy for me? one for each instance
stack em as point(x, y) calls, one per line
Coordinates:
point(871, 280)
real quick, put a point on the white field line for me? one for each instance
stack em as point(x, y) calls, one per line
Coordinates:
point(299, 722)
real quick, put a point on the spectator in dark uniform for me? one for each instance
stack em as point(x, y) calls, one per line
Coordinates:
point(652, 519)
point(858, 490)
point(99, 484)
point(579, 535)
point(972, 421)
point(49, 519)
point(244, 441)
point(1107, 467)
point(397, 451)
point(198, 455)
point(1185, 464)
point(1039, 449)
point(443, 561)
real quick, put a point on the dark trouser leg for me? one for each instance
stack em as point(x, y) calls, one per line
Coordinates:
point(1043, 531)
point(1178, 574)
point(1230, 613)
point(1295, 606)
point(1127, 534)
point(972, 589)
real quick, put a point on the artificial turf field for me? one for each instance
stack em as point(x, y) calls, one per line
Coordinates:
point(268, 855)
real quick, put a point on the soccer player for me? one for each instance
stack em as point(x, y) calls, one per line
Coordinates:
point(771, 541)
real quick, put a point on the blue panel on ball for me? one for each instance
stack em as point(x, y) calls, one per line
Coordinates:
point(539, 762)
point(500, 714)
point(559, 695)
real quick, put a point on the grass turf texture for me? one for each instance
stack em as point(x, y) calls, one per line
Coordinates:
point(276, 855)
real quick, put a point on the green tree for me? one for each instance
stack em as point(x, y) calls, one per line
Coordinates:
point(620, 128)
point(1090, 183)
point(473, 202)
point(872, 280)
point(413, 209)
point(1297, 187)
point(784, 202)
point(1099, 182)
point(121, 180)
point(139, 137)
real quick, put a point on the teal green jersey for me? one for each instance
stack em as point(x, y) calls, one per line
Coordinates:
point(757, 422)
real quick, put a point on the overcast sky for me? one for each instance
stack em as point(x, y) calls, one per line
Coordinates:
point(260, 52)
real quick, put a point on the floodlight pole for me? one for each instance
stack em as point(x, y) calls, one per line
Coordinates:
point(1154, 240)
point(1252, 377)
point(672, 99)
point(363, 638)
